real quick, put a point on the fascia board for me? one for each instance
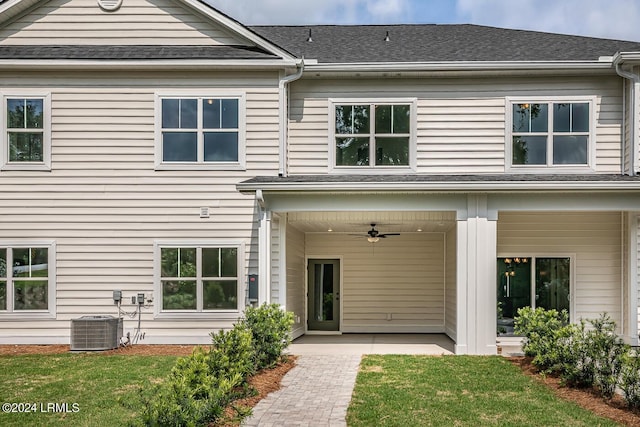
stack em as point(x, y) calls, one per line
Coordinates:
point(632, 58)
point(12, 8)
point(438, 186)
point(238, 28)
point(176, 64)
point(461, 66)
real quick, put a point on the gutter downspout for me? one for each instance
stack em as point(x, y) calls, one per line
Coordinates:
point(283, 119)
point(634, 126)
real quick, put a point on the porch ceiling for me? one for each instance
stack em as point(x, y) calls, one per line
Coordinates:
point(387, 222)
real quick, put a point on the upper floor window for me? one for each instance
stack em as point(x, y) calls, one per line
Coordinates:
point(26, 281)
point(373, 135)
point(25, 133)
point(201, 131)
point(555, 134)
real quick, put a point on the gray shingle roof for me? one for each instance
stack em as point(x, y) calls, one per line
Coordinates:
point(132, 52)
point(436, 43)
point(346, 179)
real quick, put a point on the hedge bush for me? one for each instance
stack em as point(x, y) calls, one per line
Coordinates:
point(589, 354)
point(547, 335)
point(200, 386)
point(271, 329)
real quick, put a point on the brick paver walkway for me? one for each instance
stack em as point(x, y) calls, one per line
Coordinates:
point(316, 392)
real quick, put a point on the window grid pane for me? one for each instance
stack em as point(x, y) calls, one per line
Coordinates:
point(566, 144)
point(352, 151)
point(3, 263)
point(179, 295)
point(30, 295)
point(24, 274)
point(3, 295)
point(212, 137)
point(213, 284)
point(392, 151)
point(220, 294)
point(25, 124)
point(385, 137)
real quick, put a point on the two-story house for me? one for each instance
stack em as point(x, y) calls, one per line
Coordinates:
point(387, 179)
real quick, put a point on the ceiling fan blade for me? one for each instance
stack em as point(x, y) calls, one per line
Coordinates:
point(388, 234)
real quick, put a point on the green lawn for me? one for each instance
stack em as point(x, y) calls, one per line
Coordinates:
point(456, 391)
point(390, 390)
point(93, 382)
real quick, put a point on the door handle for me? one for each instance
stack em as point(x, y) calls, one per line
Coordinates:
point(337, 296)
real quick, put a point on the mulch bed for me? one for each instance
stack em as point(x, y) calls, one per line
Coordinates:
point(614, 409)
point(138, 350)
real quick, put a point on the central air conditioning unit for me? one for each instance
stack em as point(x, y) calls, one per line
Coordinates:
point(93, 333)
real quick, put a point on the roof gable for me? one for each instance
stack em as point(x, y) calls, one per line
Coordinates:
point(134, 23)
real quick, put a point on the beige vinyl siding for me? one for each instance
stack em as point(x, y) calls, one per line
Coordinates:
point(460, 122)
point(451, 307)
point(137, 22)
point(104, 204)
point(594, 241)
point(296, 279)
point(401, 277)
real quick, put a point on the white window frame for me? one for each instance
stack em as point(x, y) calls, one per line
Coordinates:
point(534, 257)
point(372, 169)
point(200, 95)
point(45, 164)
point(550, 168)
point(50, 312)
point(198, 313)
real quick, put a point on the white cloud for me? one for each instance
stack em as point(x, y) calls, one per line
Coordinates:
point(596, 18)
point(301, 12)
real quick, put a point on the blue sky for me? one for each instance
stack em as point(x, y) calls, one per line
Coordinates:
point(618, 19)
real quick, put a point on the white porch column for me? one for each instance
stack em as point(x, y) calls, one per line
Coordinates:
point(476, 278)
point(631, 328)
point(264, 258)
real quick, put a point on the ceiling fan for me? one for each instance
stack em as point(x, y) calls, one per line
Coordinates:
point(374, 235)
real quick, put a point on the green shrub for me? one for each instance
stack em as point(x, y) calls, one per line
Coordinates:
point(201, 386)
point(232, 352)
point(548, 335)
point(578, 369)
point(191, 396)
point(630, 380)
point(271, 330)
point(607, 351)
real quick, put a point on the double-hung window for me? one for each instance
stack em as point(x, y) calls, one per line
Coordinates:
point(26, 279)
point(26, 140)
point(205, 132)
point(551, 134)
point(373, 135)
point(198, 278)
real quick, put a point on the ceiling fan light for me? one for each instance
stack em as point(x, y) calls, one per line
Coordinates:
point(373, 239)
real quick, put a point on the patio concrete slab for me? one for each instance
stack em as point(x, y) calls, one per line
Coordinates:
point(360, 344)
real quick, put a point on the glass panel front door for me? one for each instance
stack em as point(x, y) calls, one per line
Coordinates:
point(324, 295)
point(552, 283)
point(514, 291)
point(547, 280)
